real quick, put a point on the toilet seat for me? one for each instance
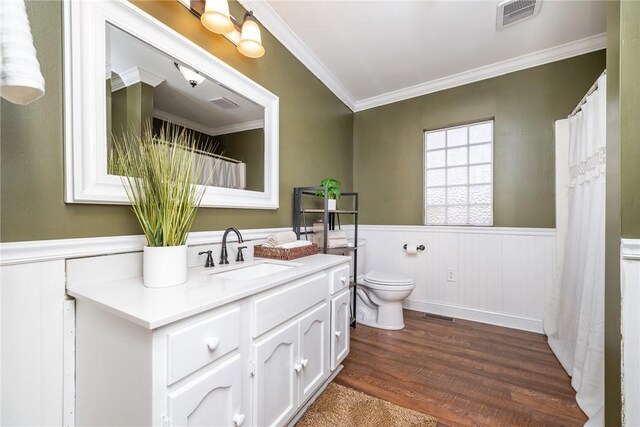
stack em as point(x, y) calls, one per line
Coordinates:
point(379, 280)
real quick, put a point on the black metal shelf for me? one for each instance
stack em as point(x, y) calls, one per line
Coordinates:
point(329, 220)
point(338, 251)
point(338, 211)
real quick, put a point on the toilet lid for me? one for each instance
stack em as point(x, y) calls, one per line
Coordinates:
point(380, 278)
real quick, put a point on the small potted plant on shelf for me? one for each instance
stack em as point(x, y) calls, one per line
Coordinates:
point(157, 171)
point(333, 192)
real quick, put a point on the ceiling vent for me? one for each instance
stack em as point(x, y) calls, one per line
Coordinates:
point(224, 103)
point(513, 11)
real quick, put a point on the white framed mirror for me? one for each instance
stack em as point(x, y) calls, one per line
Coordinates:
point(125, 70)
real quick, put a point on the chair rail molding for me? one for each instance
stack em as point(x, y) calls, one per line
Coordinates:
point(44, 250)
point(511, 231)
point(630, 249)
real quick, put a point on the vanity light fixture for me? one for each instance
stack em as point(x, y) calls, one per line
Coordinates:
point(214, 15)
point(250, 43)
point(191, 76)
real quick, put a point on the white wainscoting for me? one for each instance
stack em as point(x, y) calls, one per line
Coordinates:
point(36, 373)
point(630, 281)
point(503, 274)
point(31, 312)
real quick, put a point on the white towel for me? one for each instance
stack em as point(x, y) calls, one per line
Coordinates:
point(276, 239)
point(20, 79)
point(296, 244)
point(337, 235)
point(337, 243)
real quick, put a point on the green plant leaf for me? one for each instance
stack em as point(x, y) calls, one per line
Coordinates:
point(156, 171)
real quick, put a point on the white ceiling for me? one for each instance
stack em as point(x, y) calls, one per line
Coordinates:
point(374, 52)
point(174, 99)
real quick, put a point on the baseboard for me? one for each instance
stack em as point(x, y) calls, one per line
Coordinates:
point(46, 250)
point(490, 317)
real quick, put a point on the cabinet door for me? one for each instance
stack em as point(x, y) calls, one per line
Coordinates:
point(339, 328)
point(314, 350)
point(214, 399)
point(277, 370)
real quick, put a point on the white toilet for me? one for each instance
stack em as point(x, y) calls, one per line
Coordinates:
point(379, 295)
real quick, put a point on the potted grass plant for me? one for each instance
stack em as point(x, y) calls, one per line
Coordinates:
point(157, 171)
point(333, 192)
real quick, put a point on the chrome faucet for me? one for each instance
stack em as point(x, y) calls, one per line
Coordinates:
point(224, 257)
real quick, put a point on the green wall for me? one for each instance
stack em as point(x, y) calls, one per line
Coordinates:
point(388, 142)
point(247, 146)
point(130, 108)
point(630, 118)
point(316, 137)
point(612, 351)
point(623, 178)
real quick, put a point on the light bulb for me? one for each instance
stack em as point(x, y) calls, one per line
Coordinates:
point(250, 43)
point(216, 17)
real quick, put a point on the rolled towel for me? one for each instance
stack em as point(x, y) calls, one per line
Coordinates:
point(276, 239)
point(21, 80)
point(337, 243)
point(337, 234)
point(296, 244)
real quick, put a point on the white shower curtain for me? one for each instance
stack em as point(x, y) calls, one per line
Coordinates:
point(574, 318)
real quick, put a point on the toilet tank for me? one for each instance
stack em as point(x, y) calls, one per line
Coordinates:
point(360, 253)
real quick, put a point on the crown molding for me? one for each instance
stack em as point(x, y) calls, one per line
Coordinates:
point(132, 76)
point(271, 21)
point(290, 40)
point(223, 130)
point(541, 57)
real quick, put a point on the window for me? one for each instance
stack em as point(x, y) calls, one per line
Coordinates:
point(458, 176)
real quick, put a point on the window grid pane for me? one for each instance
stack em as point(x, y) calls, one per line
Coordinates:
point(459, 175)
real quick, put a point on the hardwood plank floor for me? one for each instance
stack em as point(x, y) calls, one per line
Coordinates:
point(463, 373)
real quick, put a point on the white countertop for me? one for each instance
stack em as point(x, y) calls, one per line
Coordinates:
point(152, 308)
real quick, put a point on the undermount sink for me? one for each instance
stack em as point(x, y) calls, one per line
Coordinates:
point(253, 271)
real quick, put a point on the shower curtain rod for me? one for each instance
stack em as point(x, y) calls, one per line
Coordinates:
point(206, 153)
point(593, 88)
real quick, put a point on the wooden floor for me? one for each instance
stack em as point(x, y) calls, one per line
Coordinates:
point(463, 373)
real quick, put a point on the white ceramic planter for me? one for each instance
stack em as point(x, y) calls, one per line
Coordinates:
point(164, 266)
point(332, 206)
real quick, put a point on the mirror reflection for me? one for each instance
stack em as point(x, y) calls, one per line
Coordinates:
point(147, 88)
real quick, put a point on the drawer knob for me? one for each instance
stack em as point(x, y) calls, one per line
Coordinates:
point(297, 367)
point(213, 343)
point(338, 333)
point(304, 362)
point(238, 420)
point(343, 279)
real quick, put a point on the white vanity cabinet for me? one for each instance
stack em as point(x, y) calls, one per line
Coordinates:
point(340, 316)
point(214, 398)
point(291, 363)
point(186, 373)
point(209, 353)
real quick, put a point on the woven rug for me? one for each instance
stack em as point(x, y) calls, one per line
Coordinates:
point(340, 406)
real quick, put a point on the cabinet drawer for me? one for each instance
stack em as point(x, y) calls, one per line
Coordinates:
point(201, 343)
point(339, 279)
point(273, 309)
